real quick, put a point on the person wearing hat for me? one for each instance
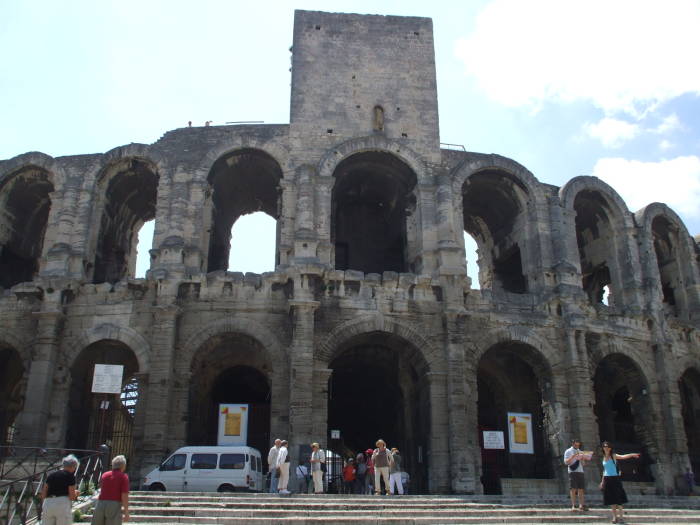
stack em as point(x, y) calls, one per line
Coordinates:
point(369, 477)
point(317, 458)
point(349, 476)
point(382, 459)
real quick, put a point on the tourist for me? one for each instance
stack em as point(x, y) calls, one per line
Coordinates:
point(369, 476)
point(58, 492)
point(689, 477)
point(381, 458)
point(272, 465)
point(611, 485)
point(574, 460)
point(395, 484)
point(349, 476)
point(360, 473)
point(283, 467)
point(303, 479)
point(317, 459)
point(114, 495)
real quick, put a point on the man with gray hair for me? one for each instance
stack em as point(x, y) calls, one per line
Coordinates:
point(114, 495)
point(58, 492)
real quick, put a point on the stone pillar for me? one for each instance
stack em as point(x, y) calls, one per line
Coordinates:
point(287, 218)
point(305, 240)
point(301, 373)
point(671, 429)
point(461, 475)
point(438, 455)
point(324, 207)
point(159, 386)
point(32, 425)
point(581, 400)
point(320, 405)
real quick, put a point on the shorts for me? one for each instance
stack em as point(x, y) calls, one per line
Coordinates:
point(577, 480)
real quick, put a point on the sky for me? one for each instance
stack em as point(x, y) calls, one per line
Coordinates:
point(565, 88)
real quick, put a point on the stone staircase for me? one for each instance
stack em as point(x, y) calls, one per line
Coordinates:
point(301, 509)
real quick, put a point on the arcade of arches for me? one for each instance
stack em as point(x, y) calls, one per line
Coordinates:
point(367, 322)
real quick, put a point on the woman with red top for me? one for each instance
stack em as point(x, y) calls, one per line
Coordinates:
point(114, 495)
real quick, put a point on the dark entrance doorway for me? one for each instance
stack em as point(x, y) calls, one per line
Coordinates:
point(95, 419)
point(623, 411)
point(379, 389)
point(11, 371)
point(690, 407)
point(230, 368)
point(512, 377)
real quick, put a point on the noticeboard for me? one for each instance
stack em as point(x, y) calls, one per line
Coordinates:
point(107, 379)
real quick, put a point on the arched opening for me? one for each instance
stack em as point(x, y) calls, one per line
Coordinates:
point(495, 217)
point(242, 182)
point(230, 368)
point(623, 411)
point(372, 214)
point(25, 201)
point(94, 418)
point(129, 196)
point(253, 243)
point(514, 378)
point(665, 237)
point(11, 373)
point(471, 251)
point(379, 389)
point(596, 246)
point(143, 248)
point(689, 386)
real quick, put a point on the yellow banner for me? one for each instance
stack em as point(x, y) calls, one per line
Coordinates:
point(233, 425)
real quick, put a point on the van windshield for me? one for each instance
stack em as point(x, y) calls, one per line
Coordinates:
point(174, 462)
point(232, 461)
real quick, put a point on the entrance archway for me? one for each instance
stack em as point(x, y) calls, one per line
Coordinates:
point(624, 413)
point(379, 389)
point(94, 419)
point(689, 386)
point(513, 377)
point(11, 372)
point(230, 368)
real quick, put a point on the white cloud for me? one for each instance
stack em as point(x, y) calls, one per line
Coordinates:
point(626, 55)
point(668, 125)
point(612, 132)
point(665, 145)
point(675, 182)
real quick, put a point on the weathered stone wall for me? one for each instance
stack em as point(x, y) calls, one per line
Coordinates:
point(294, 325)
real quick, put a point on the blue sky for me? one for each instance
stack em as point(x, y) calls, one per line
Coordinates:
point(566, 88)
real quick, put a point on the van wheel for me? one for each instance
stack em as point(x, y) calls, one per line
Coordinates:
point(156, 487)
point(226, 488)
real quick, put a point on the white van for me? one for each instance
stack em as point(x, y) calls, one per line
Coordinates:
point(208, 469)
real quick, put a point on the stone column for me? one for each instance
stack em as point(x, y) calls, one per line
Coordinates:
point(438, 455)
point(32, 425)
point(320, 405)
point(160, 377)
point(301, 373)
point(581, 399)
point(461, 474)
point(324, 207)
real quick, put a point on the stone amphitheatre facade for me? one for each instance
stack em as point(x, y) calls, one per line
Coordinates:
point(369, 323)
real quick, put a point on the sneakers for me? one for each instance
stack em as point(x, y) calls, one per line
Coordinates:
point(284, 491)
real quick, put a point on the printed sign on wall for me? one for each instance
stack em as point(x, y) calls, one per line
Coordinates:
point(520, 433)
point(493, 440)
point(107, 379)
point(233, 424)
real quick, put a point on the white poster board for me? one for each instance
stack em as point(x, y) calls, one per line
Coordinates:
point(520, 433)
point(233, 424)
point(107, 379)
point(494, 440)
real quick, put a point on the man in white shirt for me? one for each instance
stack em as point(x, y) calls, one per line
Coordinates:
point(283, 466)
point(272, 465)
point(574, 459)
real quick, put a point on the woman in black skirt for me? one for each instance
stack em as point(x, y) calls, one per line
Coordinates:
point(613, 492)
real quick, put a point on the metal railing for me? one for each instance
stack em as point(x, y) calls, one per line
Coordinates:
point(23, 472)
